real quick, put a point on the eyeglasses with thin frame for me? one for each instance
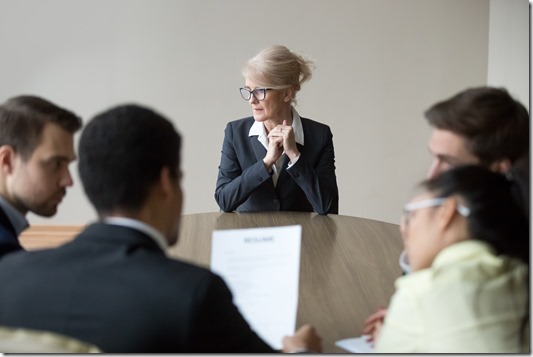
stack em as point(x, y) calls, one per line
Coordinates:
point(432, 202)
point(258, 93)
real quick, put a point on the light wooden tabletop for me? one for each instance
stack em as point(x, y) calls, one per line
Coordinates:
point(348, 265)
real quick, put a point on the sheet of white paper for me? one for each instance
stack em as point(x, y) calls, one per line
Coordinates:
point(356, 345)
point(261, 267)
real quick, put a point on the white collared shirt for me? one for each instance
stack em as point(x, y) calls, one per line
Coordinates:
point(140, 226)
point(16, 218)
point(258, 128)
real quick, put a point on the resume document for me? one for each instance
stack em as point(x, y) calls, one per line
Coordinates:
point(261, 267)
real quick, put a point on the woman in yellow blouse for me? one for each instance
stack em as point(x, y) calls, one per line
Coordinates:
point(467, 243)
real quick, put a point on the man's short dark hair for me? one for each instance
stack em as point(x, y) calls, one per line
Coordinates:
point(494, 125)
point(23, 118)
point(121, 154)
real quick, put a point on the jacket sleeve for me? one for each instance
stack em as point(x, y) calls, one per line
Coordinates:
point(219, 327)
point(318, 181)
point(403, 330)
point(235, 185)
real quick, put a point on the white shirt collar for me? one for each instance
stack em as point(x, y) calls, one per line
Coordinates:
point(16, 218)
point(140, 226)
point(258, 128)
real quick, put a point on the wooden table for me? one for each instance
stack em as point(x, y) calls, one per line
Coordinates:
point(347, 267)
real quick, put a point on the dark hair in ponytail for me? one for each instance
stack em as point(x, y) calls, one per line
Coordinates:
point(496, 213)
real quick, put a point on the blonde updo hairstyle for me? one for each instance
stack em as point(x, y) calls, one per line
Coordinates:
point(277, 67)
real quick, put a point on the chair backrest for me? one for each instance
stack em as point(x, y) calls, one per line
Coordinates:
point(20, 340)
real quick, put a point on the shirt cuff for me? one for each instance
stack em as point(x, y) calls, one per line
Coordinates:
point(293, 162)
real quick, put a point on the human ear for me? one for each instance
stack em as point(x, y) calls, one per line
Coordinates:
point(166, 181)
point(7, 158)
point(446, 213)
point(170, 181)
point(289, 94)
point(454, 229)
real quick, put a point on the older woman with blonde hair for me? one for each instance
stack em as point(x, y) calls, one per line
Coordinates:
point(276, 160)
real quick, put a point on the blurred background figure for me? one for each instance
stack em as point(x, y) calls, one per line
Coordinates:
point(36, 148)
point(467, 240)
point(482, 126)
point(478, 126)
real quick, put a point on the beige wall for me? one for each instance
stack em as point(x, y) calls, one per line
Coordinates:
point(379, 65)
point(509, 47)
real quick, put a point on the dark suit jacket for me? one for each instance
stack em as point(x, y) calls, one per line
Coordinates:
point(8, 237)
point(244, 184)
point(114, 287)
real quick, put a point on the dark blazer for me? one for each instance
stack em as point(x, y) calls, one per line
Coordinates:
point(244, 184)
point(8, 237)
point(114, 287)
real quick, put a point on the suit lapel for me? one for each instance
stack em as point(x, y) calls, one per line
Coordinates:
point(259, 149)
point(6, 223)
point(8, 237)
point(283, 174)
point(283, 169)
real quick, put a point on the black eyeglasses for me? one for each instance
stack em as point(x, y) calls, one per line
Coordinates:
point(258, 93)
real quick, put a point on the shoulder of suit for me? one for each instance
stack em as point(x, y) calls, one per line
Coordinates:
point(242, 121)
point(190, 269)
point(243, 124)
point(311, 122)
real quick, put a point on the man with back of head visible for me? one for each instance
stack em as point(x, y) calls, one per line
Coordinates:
point(113, 285)
point(478, 126)
point(36, 148)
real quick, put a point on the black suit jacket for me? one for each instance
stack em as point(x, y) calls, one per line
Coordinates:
point(8, 237)
point(244, 184)
point(114, 287)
